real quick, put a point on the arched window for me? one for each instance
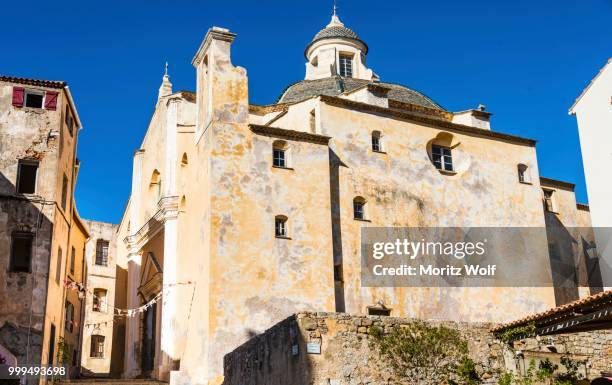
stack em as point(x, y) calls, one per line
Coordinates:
point(99, 300)
point(280, 226)
point(156, 183)
point(359, 206)
point(182, 204)
point(523, 173)
point(97, 346)
point(377, 145)
point(184, 160)
point(280, 154)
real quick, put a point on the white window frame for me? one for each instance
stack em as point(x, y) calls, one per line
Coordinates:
point(342, 67)
point(29, 91)
point(443, 158)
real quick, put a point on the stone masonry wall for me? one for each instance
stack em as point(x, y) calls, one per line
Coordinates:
point(347, 358)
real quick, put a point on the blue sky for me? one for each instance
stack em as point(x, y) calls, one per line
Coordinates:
point(525, 60)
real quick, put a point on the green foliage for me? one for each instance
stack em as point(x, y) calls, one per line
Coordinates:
point(506, 378)
point(514, 333)
point(466, 371)
point(64, 350)
point(425, 353)
point(546, 373)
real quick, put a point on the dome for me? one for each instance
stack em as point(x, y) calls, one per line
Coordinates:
point(335, 85)
point(336, 30)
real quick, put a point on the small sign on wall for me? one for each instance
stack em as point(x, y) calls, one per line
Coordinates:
point(313, 348)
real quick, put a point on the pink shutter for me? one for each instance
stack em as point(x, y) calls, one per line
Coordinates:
point(18, 94)
point(50, 100)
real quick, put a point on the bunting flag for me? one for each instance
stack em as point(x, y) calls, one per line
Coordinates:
point(129, 313)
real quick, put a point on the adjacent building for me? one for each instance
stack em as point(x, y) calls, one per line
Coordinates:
point(593, 111)
point(101, 353)
point(241, 214)
point(41, 235)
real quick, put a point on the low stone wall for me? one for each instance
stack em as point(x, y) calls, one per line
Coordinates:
point(594, 348)
point(335, 349)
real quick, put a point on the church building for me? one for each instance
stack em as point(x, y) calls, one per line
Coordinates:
point(241, 214)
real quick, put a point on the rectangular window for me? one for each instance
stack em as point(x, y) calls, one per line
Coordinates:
point(26, 176)
point(102, 252)
point(442, 157)
point(58, 267)
point(69, 120)
point(99, 300)
point(51, 354)
point(21, 252)
point(69, 317)
point(379, 311)
point(97, 346)
point(278, 158)
point(64, 192)
point(375, 143)
point(358, 210)
point(72, 260)
point(346, 65)
point(34, 99)
point(280, 227)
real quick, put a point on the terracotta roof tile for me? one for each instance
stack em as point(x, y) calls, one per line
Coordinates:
point(34, 82)
point(568, 307)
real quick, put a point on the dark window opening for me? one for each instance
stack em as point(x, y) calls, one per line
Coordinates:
point(34, 100)
point(102, 252)
point(51, 354)
point(21, 252)
point(26, 176)
point(72, 260)
point(64, 192)
point(278, 158)
point(359, 208)
point(442, 157)
point(58, 267)
point(376, 143)
point(379, 311)
point(280, 227)
point(97, 346)
point(69, 120)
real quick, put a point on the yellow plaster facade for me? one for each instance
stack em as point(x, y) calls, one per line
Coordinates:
point(202, 222)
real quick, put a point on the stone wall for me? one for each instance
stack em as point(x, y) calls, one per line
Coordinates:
point(289, 351)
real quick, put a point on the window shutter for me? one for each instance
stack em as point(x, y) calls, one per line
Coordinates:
point(18, 94)
point(50, 100)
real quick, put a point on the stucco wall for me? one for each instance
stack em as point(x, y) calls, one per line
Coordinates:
point(39, 134)
point(99, 277)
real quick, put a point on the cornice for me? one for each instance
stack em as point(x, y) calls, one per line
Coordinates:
point(332, 100)
point(289, 134)
point(167, 210)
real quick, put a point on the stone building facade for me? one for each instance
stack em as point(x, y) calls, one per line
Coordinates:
point(102, 332)
point(41, 234)
point(242, 214)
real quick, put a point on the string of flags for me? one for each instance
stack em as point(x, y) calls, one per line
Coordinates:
point(117, 312)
